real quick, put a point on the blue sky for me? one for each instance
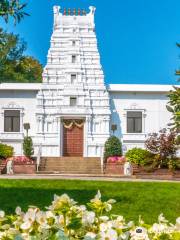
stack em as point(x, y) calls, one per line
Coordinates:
point(136, 39)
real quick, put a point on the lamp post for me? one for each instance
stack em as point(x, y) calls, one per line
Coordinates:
point(113, 128)
point(26, 127)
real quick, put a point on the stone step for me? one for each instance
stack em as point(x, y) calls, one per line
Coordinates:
point(71, 172)
point(76, 165)
point(70, 161)
point(70, 165)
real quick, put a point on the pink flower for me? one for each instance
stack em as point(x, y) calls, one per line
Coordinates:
point(22, 160)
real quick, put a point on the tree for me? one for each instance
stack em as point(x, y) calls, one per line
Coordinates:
point(28, 147)
point(14, 66)
point(113, 147)
point(163, 145)
point(174, 107)
point(12, 8)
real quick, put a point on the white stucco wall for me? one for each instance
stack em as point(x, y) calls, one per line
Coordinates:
point(25, 101)
point(153, 107)
point(151, 100)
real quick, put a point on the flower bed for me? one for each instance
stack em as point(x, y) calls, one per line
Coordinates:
point(23, 165)
point(22, 160)
point(65, 220)
point(116, 159)
point(24, 169)
point(115, 165)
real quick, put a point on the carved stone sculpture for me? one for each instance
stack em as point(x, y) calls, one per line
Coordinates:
point(127, 169)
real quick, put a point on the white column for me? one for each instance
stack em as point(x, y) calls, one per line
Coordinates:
point(60, 134)
point(86, 128)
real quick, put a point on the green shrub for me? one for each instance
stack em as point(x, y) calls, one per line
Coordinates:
point(173, 163)
point(139, 156)
point(113, 147)
point(6, 151)
point(28, 147)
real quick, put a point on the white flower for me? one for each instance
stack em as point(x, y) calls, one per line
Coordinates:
point(26, 225)
point(139, 233)
point(18, 211)
point(60, 220)
point(119, 223)
point(13, 231)
point(30, 215)
point(105, 226)
point(42, 224)
point(60, 202)
point(49, 214)
point(162, 219)
point(158, 228)
point(177, 226)
point(88, 218)
point(82, 207)
point(98, 195)
point(2, 214)
point(108, 207)
point(41, 218)
point(110, 234)
point(130, 224)
point(120, 219)
point(90, 235)
point(104, 218)
point(111, 201)
point(124, 236)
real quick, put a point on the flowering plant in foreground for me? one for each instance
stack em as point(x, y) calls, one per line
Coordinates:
point(64, 219)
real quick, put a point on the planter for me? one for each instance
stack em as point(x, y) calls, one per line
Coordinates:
point(114, 168)
point(24, 169)
point(161, 173)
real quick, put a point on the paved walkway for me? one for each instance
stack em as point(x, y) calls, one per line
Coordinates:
point(82, 177)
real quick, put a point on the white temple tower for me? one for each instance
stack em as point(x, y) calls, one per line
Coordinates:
point(73, 109)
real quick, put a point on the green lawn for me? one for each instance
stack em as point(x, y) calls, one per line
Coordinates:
point(133, 198)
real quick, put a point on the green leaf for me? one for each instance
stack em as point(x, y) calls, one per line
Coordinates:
point(75, 224)
point(170, 109)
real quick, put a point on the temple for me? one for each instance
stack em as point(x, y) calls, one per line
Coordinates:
point(73, 112)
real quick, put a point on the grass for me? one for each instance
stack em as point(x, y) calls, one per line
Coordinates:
point(133, 198)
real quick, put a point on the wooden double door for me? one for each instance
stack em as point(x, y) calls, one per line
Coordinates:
point(73, 141)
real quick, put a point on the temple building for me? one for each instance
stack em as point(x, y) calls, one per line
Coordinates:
point(73, 112)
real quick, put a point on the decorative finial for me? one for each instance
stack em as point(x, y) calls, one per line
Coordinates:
point(69, 11)
point(64, 13)
point(92, 10)
point(74, 11)
point(79, 11)
point(83, 12)
point(56, 9)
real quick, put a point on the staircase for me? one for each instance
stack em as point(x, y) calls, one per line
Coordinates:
point(2, 166)
point(70, 165)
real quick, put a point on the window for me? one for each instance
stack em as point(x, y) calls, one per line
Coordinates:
point(73, 101)
point(73, 58)
point(134, 122)
point(12, 121)
point(73, 78)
